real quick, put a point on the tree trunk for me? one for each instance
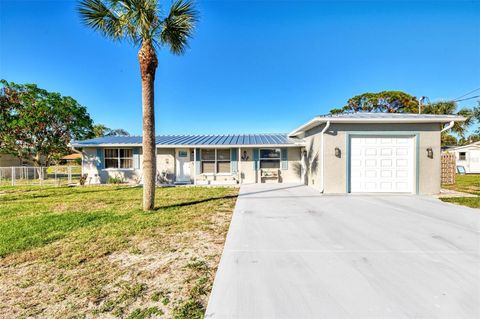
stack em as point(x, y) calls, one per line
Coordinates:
point(148, 65)
point(37, 163)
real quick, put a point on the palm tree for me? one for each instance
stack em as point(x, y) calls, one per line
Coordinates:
point(140, 22)
point(450, 108)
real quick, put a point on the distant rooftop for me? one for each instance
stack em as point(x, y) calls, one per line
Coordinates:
point(196, 140)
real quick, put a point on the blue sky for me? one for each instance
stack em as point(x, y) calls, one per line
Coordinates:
point(253, 66)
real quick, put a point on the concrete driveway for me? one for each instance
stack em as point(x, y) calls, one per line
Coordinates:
point(293, 253)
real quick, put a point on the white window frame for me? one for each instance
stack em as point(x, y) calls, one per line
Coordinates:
point(118, 158)
point(460, 156)
point(215, 163)
point(260, 158)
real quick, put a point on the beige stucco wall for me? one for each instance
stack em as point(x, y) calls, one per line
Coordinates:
point(166, 162)
point(289, 175)
point(335, 178)
point(97, 176)
point(248, 175)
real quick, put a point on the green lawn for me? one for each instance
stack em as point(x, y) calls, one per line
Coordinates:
point(91, 251)
point(468, 184)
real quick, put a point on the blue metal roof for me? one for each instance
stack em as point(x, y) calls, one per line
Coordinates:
point(195, 140)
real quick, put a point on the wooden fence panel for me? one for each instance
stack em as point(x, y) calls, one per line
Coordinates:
point(449, 168)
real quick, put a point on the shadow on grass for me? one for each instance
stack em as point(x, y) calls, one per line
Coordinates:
point(195, 202)
point(31, 193)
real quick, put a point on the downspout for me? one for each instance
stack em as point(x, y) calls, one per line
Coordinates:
point(323, 157)
point(304, 167)
point(449, 126)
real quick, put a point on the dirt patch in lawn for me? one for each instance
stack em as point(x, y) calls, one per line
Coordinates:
point(156, 272)
point(171, 277)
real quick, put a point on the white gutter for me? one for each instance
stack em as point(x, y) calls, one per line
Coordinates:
point(323, 157)
point(319, 120)
point(449, 126)
point(304, 127)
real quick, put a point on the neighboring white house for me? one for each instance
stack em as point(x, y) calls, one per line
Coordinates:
point(468, 156)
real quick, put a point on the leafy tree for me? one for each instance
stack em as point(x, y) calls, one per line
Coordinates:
point(450, 108)
point(401, 102)
point(117, 132)
point(472, 138)
point(140, 22)
point(385, 101)
point(100, 130)
point(38, 125)
point(448, 139)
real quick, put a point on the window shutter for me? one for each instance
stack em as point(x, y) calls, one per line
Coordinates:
point(284, 158)
point(136, 158)
point(100, 161)
point(198, 163)
point(233, 160)
point(256, 159)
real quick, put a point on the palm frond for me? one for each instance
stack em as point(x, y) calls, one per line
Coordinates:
point(178, 26)
point(102, 17)
point(143, 16)
point(139, 21)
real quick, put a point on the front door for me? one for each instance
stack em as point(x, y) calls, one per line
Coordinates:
point(182, 165)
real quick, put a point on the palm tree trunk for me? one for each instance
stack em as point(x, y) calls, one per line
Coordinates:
point(148, 65)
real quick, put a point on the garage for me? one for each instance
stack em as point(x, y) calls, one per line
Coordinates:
point(365, 152)
point(382, 164)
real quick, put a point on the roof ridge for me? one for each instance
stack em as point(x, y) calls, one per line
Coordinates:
point(271, 139)
point(220, 134)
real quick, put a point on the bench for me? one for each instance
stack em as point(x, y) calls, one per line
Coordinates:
point(269, 175)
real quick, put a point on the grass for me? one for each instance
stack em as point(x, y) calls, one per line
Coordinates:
point(467, 184)
point(68, 252)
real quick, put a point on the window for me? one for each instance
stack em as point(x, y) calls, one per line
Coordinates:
point(270, 158)
point(223, 161)
point(208, 161)
point(215, 161)
point(118, 158)
point(462, 156)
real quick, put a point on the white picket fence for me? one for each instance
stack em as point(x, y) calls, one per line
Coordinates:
point(30, 175)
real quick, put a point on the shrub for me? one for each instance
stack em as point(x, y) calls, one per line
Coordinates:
point(115, 180)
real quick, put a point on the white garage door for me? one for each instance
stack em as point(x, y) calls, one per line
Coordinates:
point(382, 164)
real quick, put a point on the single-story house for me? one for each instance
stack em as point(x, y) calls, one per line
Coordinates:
point(344, 153)
point(468, 156)
point(71, 159)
